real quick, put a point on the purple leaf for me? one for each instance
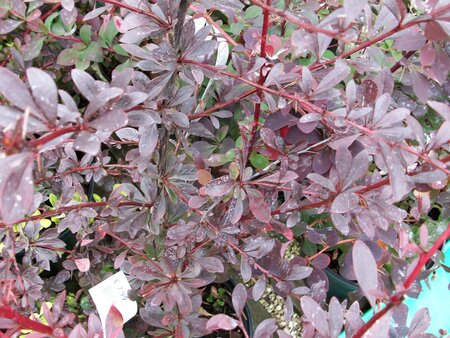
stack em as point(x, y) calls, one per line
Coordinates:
point(78, 332)
point(236, 210)
point(288, 309)
point(278, 178)
point(8, 25)
point(381, 327)
point(109, 122)
point(321, 261)
point(258, 206)
point(359, 167)
point(381, 107)
point(315, 315)
point(343, 162)
point(427, 55)
point(423, 236)
point(365, 268)
point(149, 140)
point(311, 117)
point(265, 329)
point(353, 320)
point(344, 202)
point(239, 298)
point(442, 108)
point(341, 223)
point(101, 99)
point(83, 264)
point(369, 91)
point(87, 142)
point(118, 261)
point(85, 83)
point(352, 9)
point(394, 117)
point(338, 74)
point(336, 317)
point(16, 187)
point(180, 119)
point(420, 322)
point(283, 334)
point(44, 92)
point(259, 288)
point(15, 91)
point(409, 40)
point(10, 117)
point(323, 181)
point(421, 86)
point(196, 202)
point(298, 272)
point(246, 270)
point(211, 264)
point(221, 322)
point(220, 186)
point(442, 136)
point(113, 323)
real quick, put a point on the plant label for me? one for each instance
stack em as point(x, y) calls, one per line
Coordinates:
point(113, 291)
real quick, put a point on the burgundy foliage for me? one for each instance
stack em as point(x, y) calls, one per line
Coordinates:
point(213, 139)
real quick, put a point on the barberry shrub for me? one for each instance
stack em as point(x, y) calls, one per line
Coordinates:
point(179, 141)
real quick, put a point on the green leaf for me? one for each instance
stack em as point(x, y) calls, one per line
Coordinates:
point(236, 28)
point(107, 35)
point(259, 161)
point(125, 65)
point(307, 61)
point(85, 34)
point(253, 12)
point(68, 57)
point(53, 199)
point(49, 21)
point(239, 142)
point(396, 55)
point(172, 195)
point(222, 133)
point(45, 223)
point(93, 52)
point(309, 248)
point(328, 55)
point(119, 50)
point(58, 28)
point(33, 49)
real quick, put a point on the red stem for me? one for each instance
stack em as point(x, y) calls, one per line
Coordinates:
point(397, 297)
point(55, 134)
point(381, 37)
point(329, 200)
point(50, 11)
point(222, 105)
point(399, 63)
point(135, 251)
point(62, 37)
point(156, 18)
point(220, 29)
point(291, 18)
point(262, 77)
point(312, 108)
point(61, 210)
point(75, 170)
point(24, 322)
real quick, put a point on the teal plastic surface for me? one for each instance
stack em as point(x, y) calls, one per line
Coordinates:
point(436, 298)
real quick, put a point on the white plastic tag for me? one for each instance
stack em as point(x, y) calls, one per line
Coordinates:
point(113, 291)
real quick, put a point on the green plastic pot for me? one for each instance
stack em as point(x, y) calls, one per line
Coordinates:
point(338, 286)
